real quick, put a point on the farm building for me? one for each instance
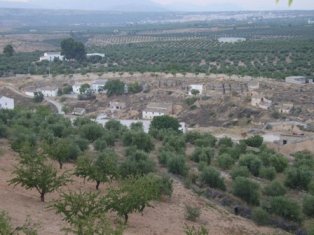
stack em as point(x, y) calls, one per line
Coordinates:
point(49, 91)
point(78, 111)
point(157, 109)
point(231, 40)
point(296, 80)
point(98, 85)
point(50, 56)
point(6, 102)
point(260, 101)
point(116, 105)
point(197, 87)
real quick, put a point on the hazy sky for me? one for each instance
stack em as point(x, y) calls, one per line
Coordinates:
point(194, 4)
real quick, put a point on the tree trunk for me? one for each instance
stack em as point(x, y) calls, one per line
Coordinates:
point(42, 197)
point(126, 217)
point(97, 185)
point(60, 165)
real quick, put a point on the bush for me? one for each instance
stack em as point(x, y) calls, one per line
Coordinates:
point(267, 173)
point(225, 161)
point(311, 187)
point(252, 162)
point(194, 231)
point(202, 154)
point(176, 142)
point(192, 213)
point(164, 122)
point(226, 142)
point(206, 140)
point(298, 178)
point(91, 131)
point(275, 188)
point(286, 208)
point(139, 139)
point(212, 178)
point(247, 190)
point(254, 141)
point(260, 216)
point(100, 144)
point(192, 136)
point(308, 205)
point(177, 165)
point(240, 171)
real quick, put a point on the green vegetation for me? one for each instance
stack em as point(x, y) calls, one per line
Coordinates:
point(192, 213)
point(247, 190)
point(286, 208)
point(72, 49)
point(8, 50)
point(114, 87)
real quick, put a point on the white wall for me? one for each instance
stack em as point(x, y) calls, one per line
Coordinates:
point(50, 93)
point(150, 115)
point(6, 103)
point(198, 87)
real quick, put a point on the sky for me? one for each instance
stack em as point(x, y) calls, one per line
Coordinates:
point(195, 5)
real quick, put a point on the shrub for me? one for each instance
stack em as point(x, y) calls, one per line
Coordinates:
point(275, 188)
point(298, 178)
point(267, 173)
point(252, 162)
point(164, 156)
point(226, 141)
point(260, 216)
point(308, 205)
point(225, 161)
point(192, 136)
point(177, 165)
point(100, 144)
point(275, 160)
point(194, 231)
point(212, 178)
point(206, 140)
point(240, 171)
point(311, 187)
point(139, 139)
point(176, 142)
point(247, 190)
point(202, 154)
point(304, 159)
point(254, 141)
point(192, 213)
point(286, 208)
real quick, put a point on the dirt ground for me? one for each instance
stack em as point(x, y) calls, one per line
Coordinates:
point(164, 218)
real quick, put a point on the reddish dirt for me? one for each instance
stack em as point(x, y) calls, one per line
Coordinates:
point(164, 218)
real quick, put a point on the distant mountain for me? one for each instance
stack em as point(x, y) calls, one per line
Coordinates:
point(102, 5)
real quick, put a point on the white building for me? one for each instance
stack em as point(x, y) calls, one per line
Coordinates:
point(198, 87)
point(6, 103)
point(95, 54)
point(156, 109)
point(116, 106)
point(76, 88)
point(260, 101)
point(78, 111)
point(50, 56)
point(98, 85)
point(296, 80)
point(49, 91)
point(231, 40)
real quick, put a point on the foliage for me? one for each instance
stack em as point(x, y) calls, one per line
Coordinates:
point(202, 154)
point(252, 162)
point(101, 169)
point(134, 88)
point(226, 141)
point(133, 195)
point(304, 159)
point(175, 142)
point(308, 205)
point(298, 178)
point(254, 141)
point(240, 171)
point(84, 88)
point(91, 131)
point(137, 163)
point(35, 173)
point(267, 173)
point(260, 216)
point(5, 226)
point(194, 231)
point(72, 49)
point(272, 159)
point(211, 177)
point(286, 208)
point(85, 212)
point(139, 139)
point(164, 122)
point(225, 161)
point(177, 165)
point(206, 140)
point(192, 213)
point(38, 97)
point(8, 50)
point(247, 190)
point(275, 188)
point(114, 87)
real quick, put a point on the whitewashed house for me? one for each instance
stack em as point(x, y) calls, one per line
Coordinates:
point(6, 103)
point(78, 111)
point(98, 85)
point(50, 56)
point(156, 109)
point(197, 87)
point(49, 91)
point(259, 101)
point(231, 39)
point(76, 88)
point(116, 106)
